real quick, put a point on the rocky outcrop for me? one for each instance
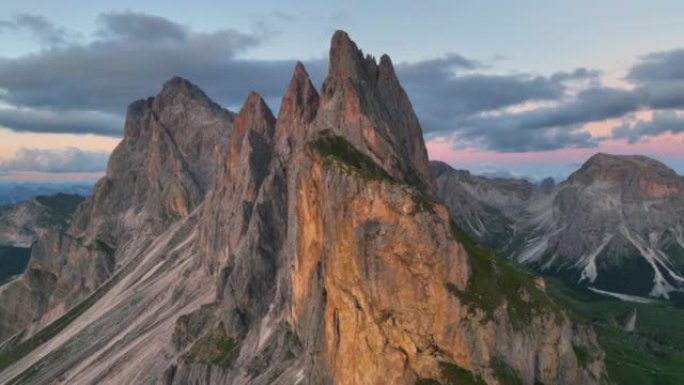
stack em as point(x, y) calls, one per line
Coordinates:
point(319, 255)
point(615, 224)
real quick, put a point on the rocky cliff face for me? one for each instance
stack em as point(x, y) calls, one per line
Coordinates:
point(158, 174)
point(615, 224)
point(314, 252)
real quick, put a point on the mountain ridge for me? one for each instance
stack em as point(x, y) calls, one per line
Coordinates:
point(300, 256)
point(620, 212)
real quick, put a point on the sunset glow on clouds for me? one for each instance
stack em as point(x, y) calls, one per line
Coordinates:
point(489, 100)
point(668, 148)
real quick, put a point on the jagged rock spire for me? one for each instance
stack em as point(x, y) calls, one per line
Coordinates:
point(364, 102)
point(300, 102)
point(346, 59)
point(251, 144)
point(298, 109)
point(256, 115)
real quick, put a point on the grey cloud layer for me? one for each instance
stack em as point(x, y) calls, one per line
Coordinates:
point(131, 57)
point(41, 28)
point(472, 107)
point(61, 122)
point(56, 160)
point(663, 122)
point(84, 87)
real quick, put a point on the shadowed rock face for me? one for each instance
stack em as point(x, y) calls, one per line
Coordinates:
point(317, 255)
point(615, 224)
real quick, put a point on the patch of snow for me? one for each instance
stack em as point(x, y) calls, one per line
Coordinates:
point(661, 288)
point(589, 261)
point(623, 297)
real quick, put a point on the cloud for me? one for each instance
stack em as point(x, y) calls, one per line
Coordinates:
point(661, 76)
point(577, 74)
point(510, 135)
point(39, 27)
point(137, 27)
point(84, 86)
point(549, 128)
point(662, 122)
point(69, 159)
point(60, 121)
point(473, 107)
point(666, 65)
point(593, 104)
point(523, 113)
point(131, 56)
point(437, 88)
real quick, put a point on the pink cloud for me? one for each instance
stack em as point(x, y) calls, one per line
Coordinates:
point(664, 147)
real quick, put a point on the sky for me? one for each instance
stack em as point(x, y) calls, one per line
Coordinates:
point(525, 88)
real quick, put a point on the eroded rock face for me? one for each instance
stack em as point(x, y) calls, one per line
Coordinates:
point(318, 256)
point(160, 172)
point(615, 224)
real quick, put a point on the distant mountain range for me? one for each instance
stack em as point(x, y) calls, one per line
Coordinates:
point(24, 223)
point(614, 225)
point(11, 193)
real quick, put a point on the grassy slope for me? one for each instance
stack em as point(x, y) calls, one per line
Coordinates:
point(653, 354)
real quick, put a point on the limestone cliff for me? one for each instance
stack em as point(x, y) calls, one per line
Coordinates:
point(158, 173)
point(318, 255)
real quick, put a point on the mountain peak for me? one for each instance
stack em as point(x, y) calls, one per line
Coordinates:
point(386, 70)
point(365, 104)
point(298, 107)
point(618, 167)
point(256, 115)
point(346, 59)
point(181, 86)
point(602, 159)
point(635, 175)
point(300, 71)
point(181, 104)
point(300, 101)
point(256, 102)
